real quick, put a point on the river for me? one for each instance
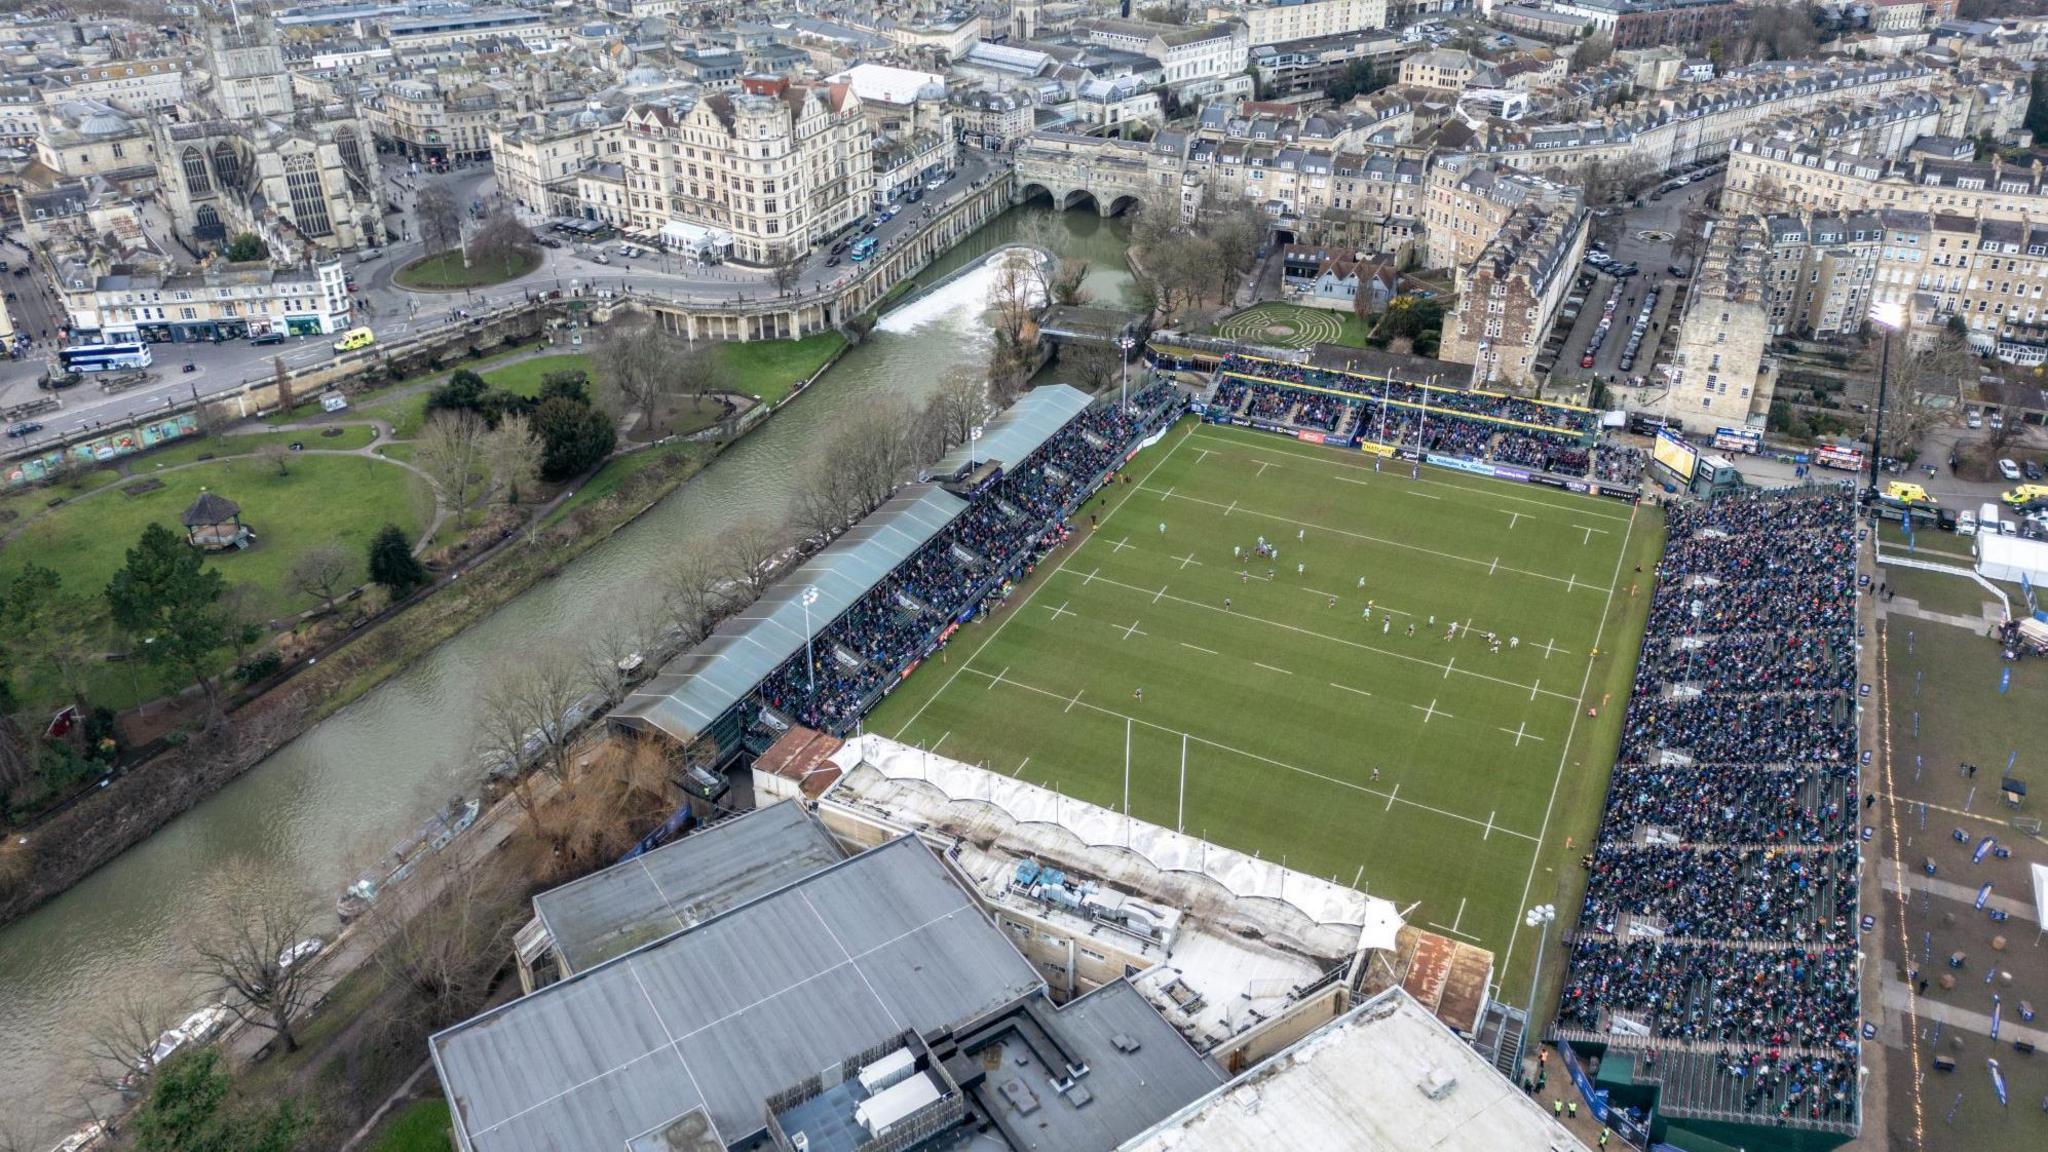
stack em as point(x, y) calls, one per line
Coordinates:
point(368, 774)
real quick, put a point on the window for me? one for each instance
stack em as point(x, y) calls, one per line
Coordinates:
point(309, 200)
point(196, 179)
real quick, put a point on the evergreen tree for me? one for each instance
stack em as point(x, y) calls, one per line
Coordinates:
point(392, 563)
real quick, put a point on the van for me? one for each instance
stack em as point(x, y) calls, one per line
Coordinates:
point(1988, 520)
point(332, 402)
point(2025, 497)
point(354, 338)
point(1900, 492)
point(1966, 523)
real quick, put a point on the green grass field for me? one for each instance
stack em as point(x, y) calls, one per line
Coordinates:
point(1427, 770)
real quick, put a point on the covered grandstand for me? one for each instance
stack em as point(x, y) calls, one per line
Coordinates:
point(887, 592)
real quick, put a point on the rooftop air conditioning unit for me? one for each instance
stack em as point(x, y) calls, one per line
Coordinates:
point(800, 1142)
point(1437, 1084)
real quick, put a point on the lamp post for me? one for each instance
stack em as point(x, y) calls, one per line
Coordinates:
point(973, 442)
point(1538, 918)
point(809, 597)
point(1889, 316)
point(1124, 344)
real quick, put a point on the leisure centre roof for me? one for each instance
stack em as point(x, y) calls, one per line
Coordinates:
point(683, 883)
point(725, 1014)
point(693, 690)
point(1020, 429)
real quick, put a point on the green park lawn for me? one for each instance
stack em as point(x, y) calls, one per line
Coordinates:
point(1292, 326)
point(408, 414)
point(444, 270)
point(320, 500)
point(422, 1126)
point(190, 449)
point(770, 369)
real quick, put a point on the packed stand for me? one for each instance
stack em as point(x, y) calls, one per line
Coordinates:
point(1721, 898)
point(1024, 513)
point(1447, 421)
point(1618, 464)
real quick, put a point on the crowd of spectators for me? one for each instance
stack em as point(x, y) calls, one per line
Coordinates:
point(1448, 421)
point(1022, 514)
point(1721, 898)
point(1618, 463)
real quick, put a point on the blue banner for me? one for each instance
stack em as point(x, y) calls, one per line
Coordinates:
point(2004, 680)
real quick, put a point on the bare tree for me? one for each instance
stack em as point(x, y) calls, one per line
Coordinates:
point(696, 593)
point(246, 955)
point(449, 950)
point(1068, 276)
point(501, 239)
point(788, 267)
point(614, 652)
point(638, 366)
point(439, 219)
point(323, 571)
point(526, 708)
point(962, 404)
point(452, 452)
point(1592, 52)
point(514, 454)
point(276, 455)
point(749, 555)
point(1090, 367)
point(120, 1045)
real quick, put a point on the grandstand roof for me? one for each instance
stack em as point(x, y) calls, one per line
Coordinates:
point(1018, 430)
point(1386, 1075)
point(682, 883)
point(732, 1011)
point(693, 690)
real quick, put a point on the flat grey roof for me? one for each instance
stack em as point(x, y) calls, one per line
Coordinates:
point(694, 689)
point(1019, 429)
point(686, 882)
point(1130, 1089)
point(731, 1011)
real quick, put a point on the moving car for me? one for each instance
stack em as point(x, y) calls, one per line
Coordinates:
point(2026, 497)
point(354, 338)
point(272, 337)
point(25, 428)
point(1900, 492)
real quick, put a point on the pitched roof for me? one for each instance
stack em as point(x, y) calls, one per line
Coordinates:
point(210, 508)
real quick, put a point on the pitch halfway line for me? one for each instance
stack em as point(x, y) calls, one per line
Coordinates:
point(1447, 668)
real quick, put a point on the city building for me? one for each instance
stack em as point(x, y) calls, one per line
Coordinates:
point(911, 120)
point(219, 301)
point(1646, 23)
point(994, 121)
point(1185, 54)
point(81, 138)
point(144, 85)
point(425, 120)
point(1510, 294)
point(1281, 21)
point(1819, 273)
point(779, 166)
point(1298, 67)
point(1719, 378)
point(535, 158)
point(1449, 70)
point(1467, 201)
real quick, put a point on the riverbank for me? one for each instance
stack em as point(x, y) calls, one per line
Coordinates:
point(68, 847)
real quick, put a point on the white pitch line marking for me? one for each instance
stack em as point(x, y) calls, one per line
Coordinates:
point(1019, 770)
point(1349, 688)
point(1589, 533)
point(1572, 583)
point(1488, 834)
point(1090, 578)
point(1270, 668)
point(1550, 648)
point(1186, 560)
point(1535, 686)
point(1198, 648)
point(1162, 592)
point(1070, 703)
point(998, 680)
point(1488, 491)
point(1422, 495)
point(1265, 464)
point(1121, 545)
point(1353, 480)
point(1281, 764)
point(1298, 630)
point(1202, 454)
point(1493, 567)
point(1134, 627)
point(1403, 545)
point(1431, 712)
point(1168, 495)
point(1520, 732)
point(1060, 611)
point(1513, 519)
point(940, 740)
point(1448, 665)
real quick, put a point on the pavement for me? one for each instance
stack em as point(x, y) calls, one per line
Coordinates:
point(397, 312)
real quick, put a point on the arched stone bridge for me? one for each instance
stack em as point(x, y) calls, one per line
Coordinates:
point(1113, 175)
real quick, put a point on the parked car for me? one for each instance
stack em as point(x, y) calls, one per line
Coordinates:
point(1973, 419)
point(303, 950)
point(2010, 470)
point(2032, 470)
point(271, 337)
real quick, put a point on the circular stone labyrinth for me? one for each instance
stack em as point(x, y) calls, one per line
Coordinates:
point(1283, 327)
point(1653, 236)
